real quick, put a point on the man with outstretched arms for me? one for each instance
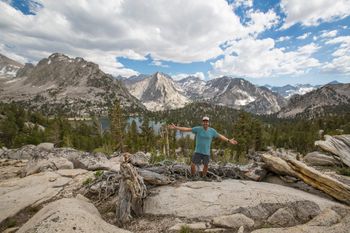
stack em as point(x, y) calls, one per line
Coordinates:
point(204, 135)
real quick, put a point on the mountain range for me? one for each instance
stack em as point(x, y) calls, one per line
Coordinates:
point(74, 86)
point(70, 86)
point(314, 103)
point(159, 91)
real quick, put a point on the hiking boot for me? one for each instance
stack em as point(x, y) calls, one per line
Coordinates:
point(194, 178)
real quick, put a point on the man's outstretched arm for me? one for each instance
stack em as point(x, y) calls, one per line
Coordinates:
point(223, 138)
point(183, 129)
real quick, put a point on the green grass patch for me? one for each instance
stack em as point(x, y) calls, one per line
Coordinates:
point(98, 173)
point(87, 181)
point(345, 171)
point(185, 229)
point(156, 158)
point(11, 222)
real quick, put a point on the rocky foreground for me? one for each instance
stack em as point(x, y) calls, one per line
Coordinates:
point(47, 189)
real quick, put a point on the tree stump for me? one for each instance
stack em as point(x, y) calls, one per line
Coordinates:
point(132, 191)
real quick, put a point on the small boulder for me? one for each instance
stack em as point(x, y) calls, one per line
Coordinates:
point(192, 226)
point(327, 217)
point(139, 159)
point(91, 161)
point(241, 229)
point(25, 152)
point(282, 217)
point(233, 221)
point(69, 215)
point(46, 146)
point(50, 163)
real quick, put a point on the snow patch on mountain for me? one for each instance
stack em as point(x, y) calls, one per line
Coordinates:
point(8, 67)
point(288, 91)
point(301, 91)
point(246, 98)
point(192, 86)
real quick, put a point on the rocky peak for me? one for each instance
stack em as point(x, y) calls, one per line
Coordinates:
point(157, 92)
point(59, 56)
point(8, 67)
point(72, 82)
point(60, 70)
point(159, 86)
point(239, 93)
point(161, 76)
point(26, 70)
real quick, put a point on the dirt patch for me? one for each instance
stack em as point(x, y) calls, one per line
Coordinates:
point(11, 168)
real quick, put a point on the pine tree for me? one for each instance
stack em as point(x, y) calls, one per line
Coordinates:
point(117, 127)
point(133, 137)
point(248, 132)
point(147, 135)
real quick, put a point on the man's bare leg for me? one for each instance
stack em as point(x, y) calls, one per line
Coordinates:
point(205, 170)
point(193, 169)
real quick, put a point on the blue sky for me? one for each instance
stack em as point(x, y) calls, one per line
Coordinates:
point(274, 42)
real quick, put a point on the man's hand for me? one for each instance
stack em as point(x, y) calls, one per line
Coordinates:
point(172, 126)
point(233, 141)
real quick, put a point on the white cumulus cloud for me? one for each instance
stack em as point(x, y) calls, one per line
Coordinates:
point(283, 38)
point(260, 21)
point(341, 56)
point(184, 75)
point(326, 34)
point(260, 58)
point(304, 36)
point(314, 12)
point(243, 3)
point(180, 31)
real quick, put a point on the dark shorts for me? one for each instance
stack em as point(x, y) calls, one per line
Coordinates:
point(198, 158)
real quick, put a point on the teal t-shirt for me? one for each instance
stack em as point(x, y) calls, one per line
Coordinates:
point(203, 139)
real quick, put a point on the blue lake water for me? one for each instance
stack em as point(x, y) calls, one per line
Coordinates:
point(105, 125)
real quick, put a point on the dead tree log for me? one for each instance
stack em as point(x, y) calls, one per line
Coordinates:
point(253, 171)
point(292, 167)
point(153, 178)
point(132, 191)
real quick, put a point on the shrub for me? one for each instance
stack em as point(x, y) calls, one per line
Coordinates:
point(345, 171)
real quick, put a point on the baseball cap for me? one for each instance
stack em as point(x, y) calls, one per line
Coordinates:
point(205, 118)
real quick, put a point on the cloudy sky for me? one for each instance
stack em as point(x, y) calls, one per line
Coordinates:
point(274, 42)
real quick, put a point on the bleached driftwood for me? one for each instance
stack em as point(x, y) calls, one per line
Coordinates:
point(338, 145)
point(292, 167)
